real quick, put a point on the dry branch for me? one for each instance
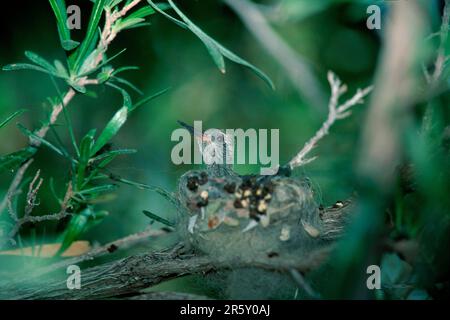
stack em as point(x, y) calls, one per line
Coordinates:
point(132, 274)
point(336, 112)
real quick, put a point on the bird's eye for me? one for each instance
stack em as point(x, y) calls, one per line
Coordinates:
point(220, 139)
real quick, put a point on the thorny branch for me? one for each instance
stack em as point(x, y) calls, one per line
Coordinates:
point(336, 112)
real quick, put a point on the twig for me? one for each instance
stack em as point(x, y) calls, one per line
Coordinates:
point(32, 193)
point(295, 66)
point(335, 112)
point(119, 244)
point(15, 184)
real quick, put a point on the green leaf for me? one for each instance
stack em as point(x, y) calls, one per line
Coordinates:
point(127, 24)
point(126, 97)
point(114, 153)
point(76, 86)
point(60, 10)
point(83, 51)
point(141, 13)
point(14, 160)
point(111, 129)
point(99, 189)
point(101, 65)
point(215, 49)
point(15, 114)
point(61, 70)
point(148, 99)
point(122, 69)
point(33, 57)
point(158, 218)
point(32, 135)
point(69, 45)
point(78, 225)
point(85, 151)
point(127, 83)
point(24, 66)
point(167, 195)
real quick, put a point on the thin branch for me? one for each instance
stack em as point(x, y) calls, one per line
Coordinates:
point(32, 193)
point(13, 188)
point(335, 112)
point(106, 249)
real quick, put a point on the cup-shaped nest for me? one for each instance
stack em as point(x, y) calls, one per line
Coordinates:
point(250, 217)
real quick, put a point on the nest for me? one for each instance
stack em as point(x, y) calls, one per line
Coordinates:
point(252, 217)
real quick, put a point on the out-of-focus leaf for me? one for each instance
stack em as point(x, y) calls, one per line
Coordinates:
point(99, 189)
point(15, 114)
point(216, 50)
point(110, 130)
point(33, 57)
point(148, 99)
point(24, 66)
point(14, 160)
point(158, 218)
point(32, 135)
point(85, 152)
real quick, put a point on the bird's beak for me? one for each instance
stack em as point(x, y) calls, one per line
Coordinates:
point(197, 135)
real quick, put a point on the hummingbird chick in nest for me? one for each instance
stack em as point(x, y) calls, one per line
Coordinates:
point(228, 214)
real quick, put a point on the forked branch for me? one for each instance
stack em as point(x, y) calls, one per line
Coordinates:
point(336, 112)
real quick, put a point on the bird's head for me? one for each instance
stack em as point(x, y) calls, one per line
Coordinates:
point(216, 147)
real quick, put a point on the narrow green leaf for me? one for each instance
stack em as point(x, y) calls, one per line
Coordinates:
point(128, 83)
point(111, 129)
point(15, 114)
point(32, 135)
point(142, 13)
point(24, 66)
point(60, 10)
point(158, 218)
point(85, 151)
point(216, 50)
point(83, 50)
point(61, 70)
point(114, 153)
point(122, 69)
point(76, 227)
point(167, 195)
point(14, 160)
point(148, 99)
point(126, 97)
point(33, 57)
point(99, 189)
point(101, 65)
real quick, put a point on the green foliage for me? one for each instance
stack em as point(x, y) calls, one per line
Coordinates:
point(215, 49)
